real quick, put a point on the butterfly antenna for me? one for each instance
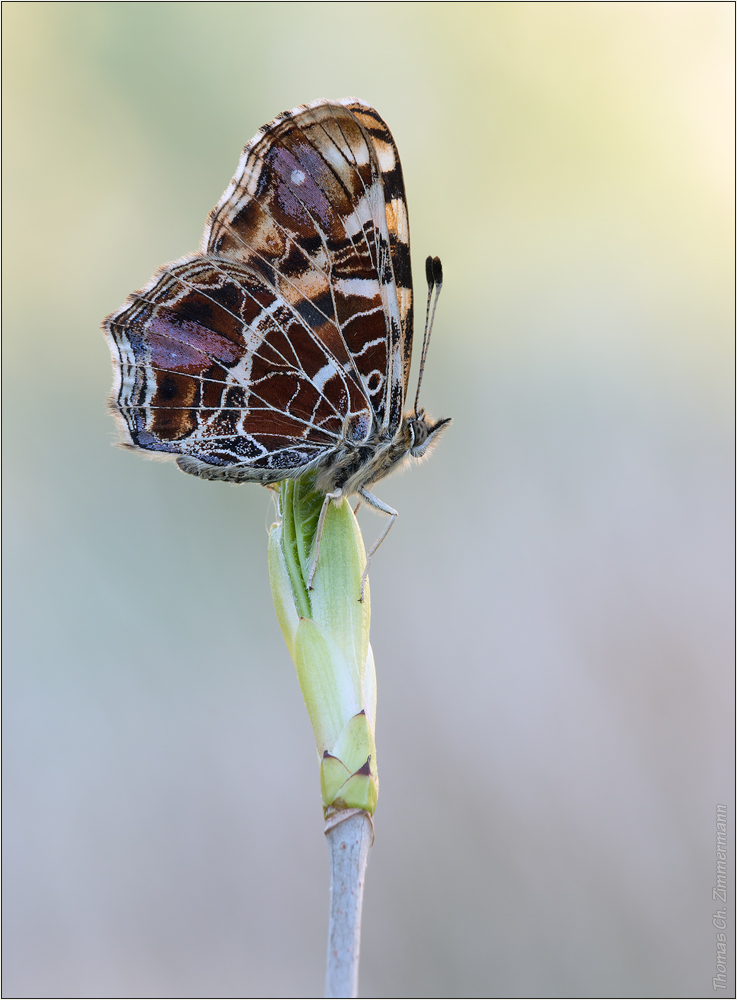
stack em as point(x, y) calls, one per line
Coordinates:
point(434, 275)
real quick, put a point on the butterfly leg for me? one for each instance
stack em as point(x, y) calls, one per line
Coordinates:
point(318, 533)
point(391, 514)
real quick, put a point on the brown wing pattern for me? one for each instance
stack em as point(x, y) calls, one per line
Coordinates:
point(317, 207)
point(213, 366)
point(253, 358)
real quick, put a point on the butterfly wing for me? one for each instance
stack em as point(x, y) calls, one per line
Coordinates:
point(317, 207)
point(248, 359)
point(214, 367)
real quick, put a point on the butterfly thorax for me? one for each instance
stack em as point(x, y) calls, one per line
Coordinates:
point(355, 466)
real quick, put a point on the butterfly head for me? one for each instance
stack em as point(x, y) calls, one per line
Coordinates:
point(423, 433)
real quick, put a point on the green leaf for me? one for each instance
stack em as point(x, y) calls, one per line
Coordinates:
point(292, 531)
point(337, 586)
point(331, 687)
point(333, 774)
point(282, 589)
point(360, 791)
point(355, 744)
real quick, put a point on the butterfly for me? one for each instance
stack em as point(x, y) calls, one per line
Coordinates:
point(284, 346)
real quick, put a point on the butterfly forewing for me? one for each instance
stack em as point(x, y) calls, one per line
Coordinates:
point(252, 358)
point(317, 206)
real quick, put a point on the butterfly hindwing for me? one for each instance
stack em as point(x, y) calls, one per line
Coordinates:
point(213, 366)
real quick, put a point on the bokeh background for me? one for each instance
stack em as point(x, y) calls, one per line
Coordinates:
point(552, 611)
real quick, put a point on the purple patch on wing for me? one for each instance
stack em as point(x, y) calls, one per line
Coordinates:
point(289, 170)
point(185, 346)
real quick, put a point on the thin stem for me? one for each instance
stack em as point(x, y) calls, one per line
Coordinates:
point(350, 834)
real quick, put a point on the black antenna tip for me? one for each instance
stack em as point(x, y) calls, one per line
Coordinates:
point(437, 270)
point(429, 272)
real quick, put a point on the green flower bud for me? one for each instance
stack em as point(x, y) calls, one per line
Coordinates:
point(326, 630)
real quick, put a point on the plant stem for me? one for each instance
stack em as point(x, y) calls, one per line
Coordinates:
point(350, 835)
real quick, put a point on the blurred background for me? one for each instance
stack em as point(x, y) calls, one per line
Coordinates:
point(552, 611)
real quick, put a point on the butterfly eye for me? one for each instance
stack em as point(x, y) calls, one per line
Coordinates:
point(425, 434)
point(418, 430)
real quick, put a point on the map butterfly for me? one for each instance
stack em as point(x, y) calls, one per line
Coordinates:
point(284, 345)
